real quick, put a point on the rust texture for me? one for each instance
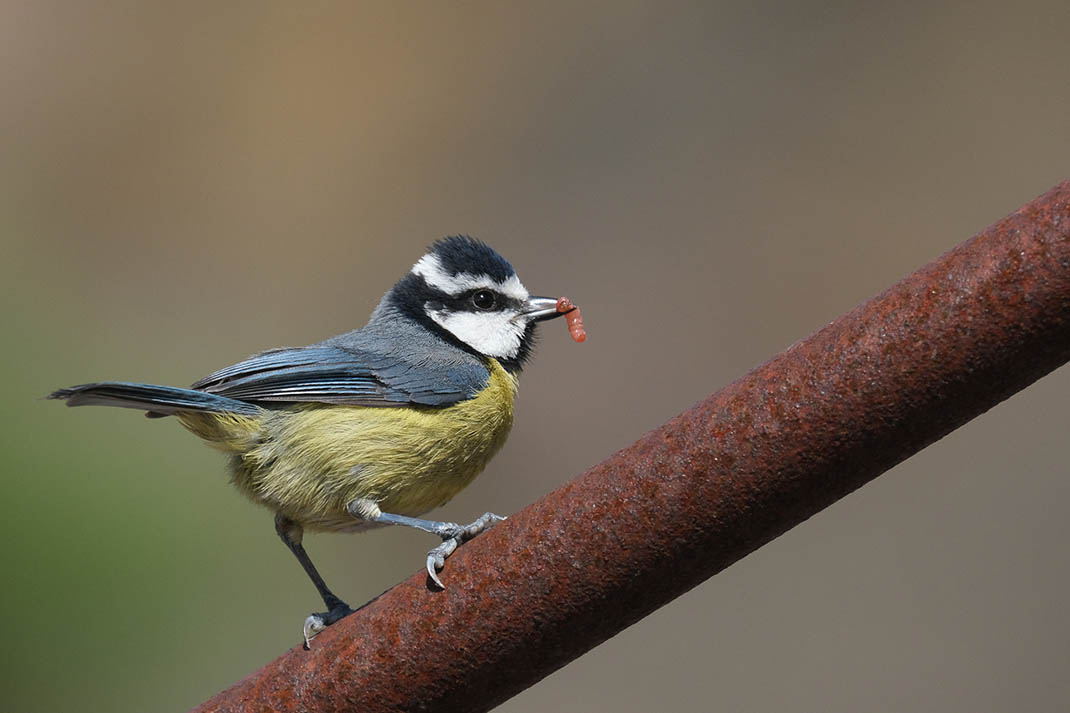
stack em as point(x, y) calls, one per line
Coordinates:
point(718, 481)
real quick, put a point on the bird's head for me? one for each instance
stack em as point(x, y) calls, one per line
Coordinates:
point(468, 294)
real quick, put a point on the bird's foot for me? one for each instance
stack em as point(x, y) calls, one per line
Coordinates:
point(453, 536)
point(315, 623)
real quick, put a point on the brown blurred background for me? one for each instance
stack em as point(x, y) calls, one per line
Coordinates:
point(183, 185)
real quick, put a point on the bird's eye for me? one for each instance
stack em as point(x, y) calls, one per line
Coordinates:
point(484, 300)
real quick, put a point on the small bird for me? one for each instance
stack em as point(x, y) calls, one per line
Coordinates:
point(375, 426)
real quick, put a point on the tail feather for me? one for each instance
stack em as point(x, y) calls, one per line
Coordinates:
point(157, 400)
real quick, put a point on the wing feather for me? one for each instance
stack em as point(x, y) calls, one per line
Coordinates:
point(337, 375)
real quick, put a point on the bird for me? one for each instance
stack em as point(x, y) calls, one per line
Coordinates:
point(376, 426)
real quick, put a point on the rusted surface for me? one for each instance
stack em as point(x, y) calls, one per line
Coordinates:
point(688, 499)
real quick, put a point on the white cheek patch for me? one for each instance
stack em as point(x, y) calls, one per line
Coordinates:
point(495, 334)
point(430, 268)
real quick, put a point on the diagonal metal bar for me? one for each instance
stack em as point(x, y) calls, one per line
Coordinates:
point(718, 481)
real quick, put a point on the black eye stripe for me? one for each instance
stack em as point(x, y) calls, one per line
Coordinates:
point(435, 300)
point(465, 302)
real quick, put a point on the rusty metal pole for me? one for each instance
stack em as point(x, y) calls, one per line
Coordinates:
point(718, 481)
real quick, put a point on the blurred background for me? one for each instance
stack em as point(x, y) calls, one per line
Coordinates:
point(183, 185)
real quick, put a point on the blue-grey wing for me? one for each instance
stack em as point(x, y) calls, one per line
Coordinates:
point(336, 375)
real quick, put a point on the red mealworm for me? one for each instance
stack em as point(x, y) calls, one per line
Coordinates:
point(573, 317)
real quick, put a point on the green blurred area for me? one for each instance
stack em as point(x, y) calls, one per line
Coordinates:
point(183, 185)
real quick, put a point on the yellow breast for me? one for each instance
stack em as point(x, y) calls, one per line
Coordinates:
point(311, 460)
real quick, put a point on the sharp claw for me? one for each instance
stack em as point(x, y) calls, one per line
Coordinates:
point(432, 565)
point(313, 625)
point(453, 535)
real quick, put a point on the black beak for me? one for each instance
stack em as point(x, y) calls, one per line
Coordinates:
point(540, 309)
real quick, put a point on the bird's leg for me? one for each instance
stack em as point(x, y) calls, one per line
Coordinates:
point(291, 534)
point(452, 534)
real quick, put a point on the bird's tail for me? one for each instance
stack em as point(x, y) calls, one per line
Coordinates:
point(156, 400)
